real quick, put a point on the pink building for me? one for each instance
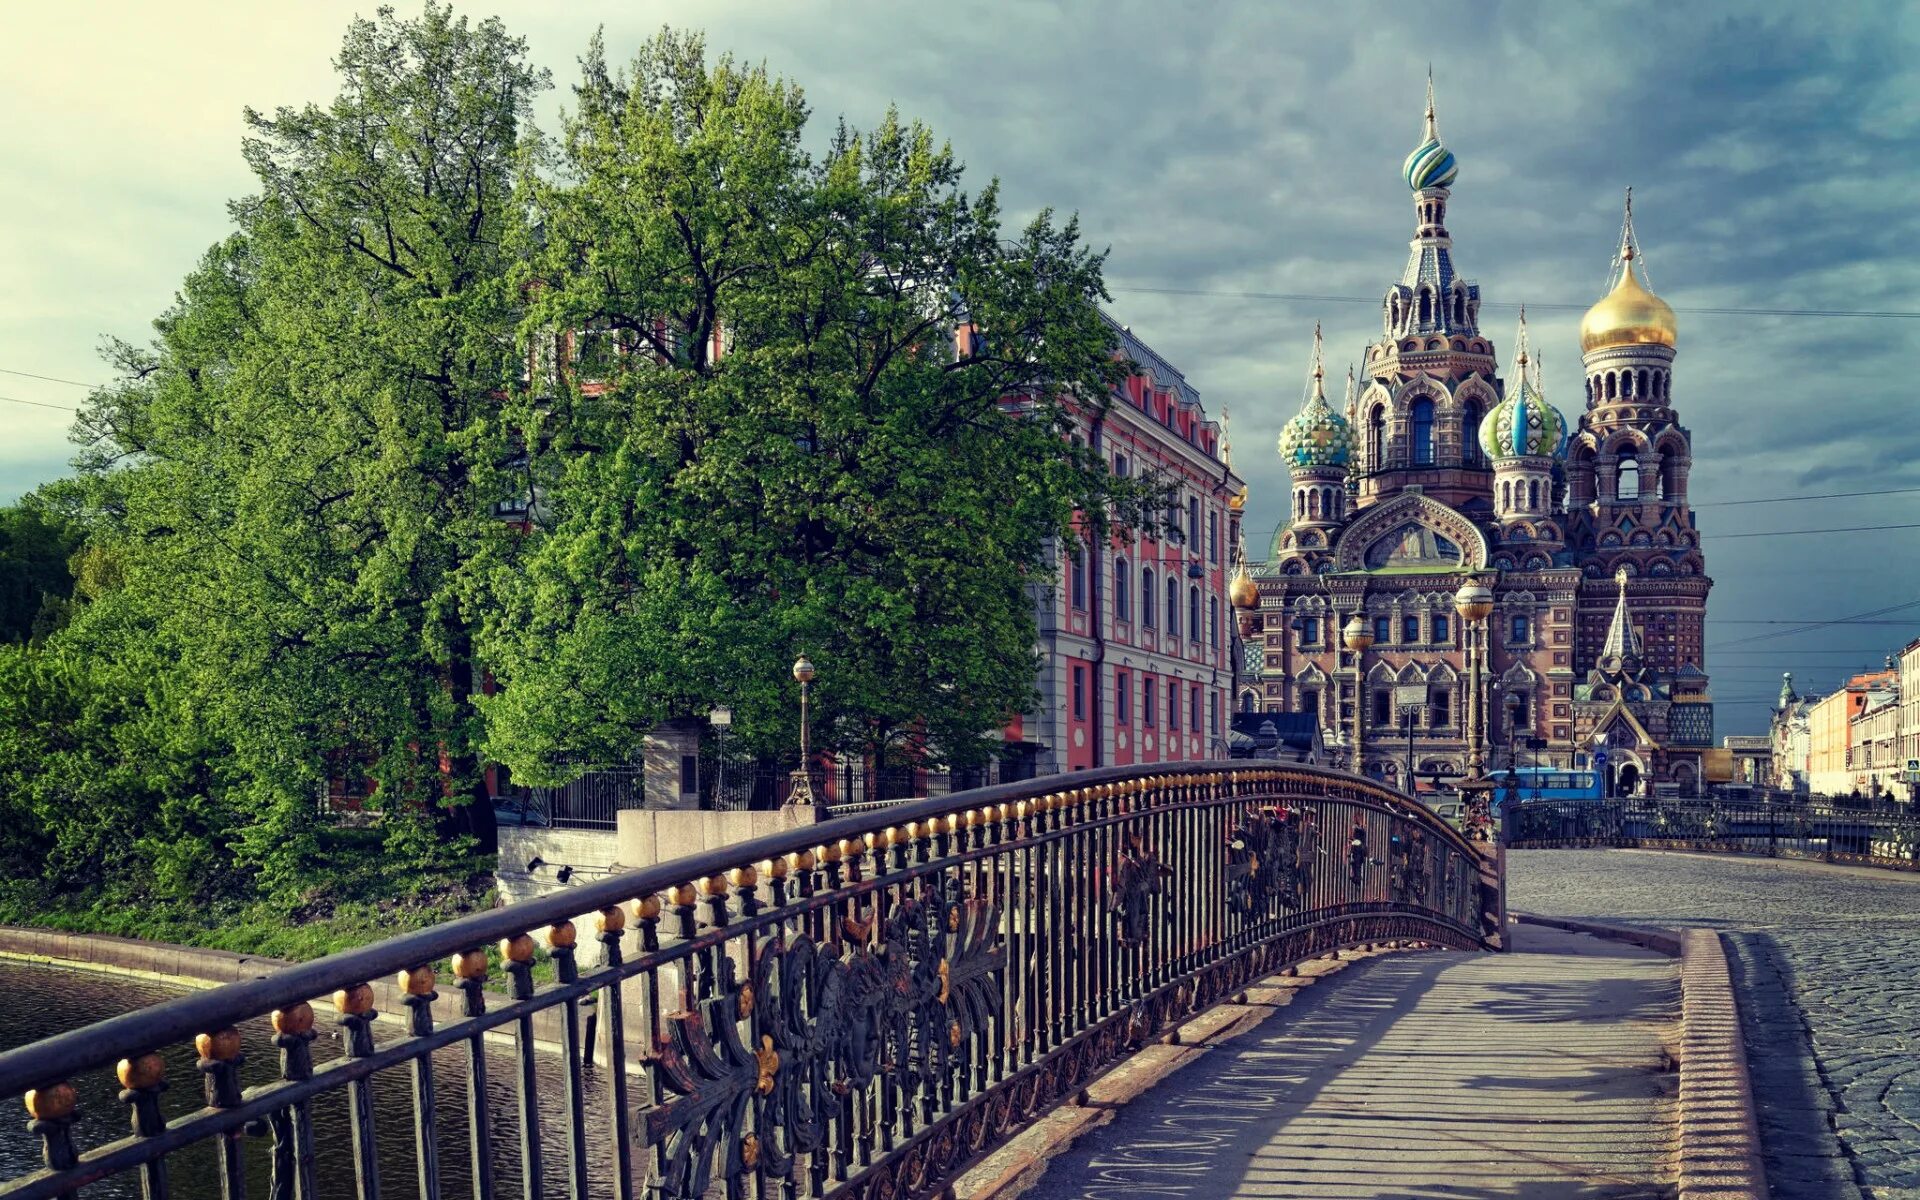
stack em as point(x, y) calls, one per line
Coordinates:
point(1136, 641)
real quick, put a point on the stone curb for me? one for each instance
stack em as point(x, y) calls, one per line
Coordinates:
point(1016, 1166)
point(1719, 1135)
point(1662, 941)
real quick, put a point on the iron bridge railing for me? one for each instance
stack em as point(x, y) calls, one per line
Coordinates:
point(858, 1008)
point(1782, 829)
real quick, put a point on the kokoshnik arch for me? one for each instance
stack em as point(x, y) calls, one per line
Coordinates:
point(1436, 471)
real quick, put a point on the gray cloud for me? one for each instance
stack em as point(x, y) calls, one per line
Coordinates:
point(1249, 147)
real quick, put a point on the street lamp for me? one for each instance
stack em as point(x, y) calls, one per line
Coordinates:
point(1474, 603)
point(722, 719)
point(802, 792)
point(1358, 637)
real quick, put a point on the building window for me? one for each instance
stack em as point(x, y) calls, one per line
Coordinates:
point(1310, 702)
point(1173, 607)
point(1213, 537)
point(1213, 714)
point(1377, 438)
point(1382, 630)
point(1519, 710)
point(1440, 633)
point(1079, 693)
point(1309, 631)
point(1629, 485)
point(1122, 697)
point(1520, 629)
point(1440, 708)
point(1149, 697)
point(1382, 708)
point(1146, 597)
point(1120, 466)
point(1193, 613)
point(1122, 581)
point(1213, 621)
point(1077, 569)
point(1193, 523)
point(1470, 451)
point(1173, 704)
point(1193, 709)
point(1423, 432)
point(1410, 629)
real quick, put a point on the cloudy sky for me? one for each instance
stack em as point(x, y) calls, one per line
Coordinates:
point(1224, 152)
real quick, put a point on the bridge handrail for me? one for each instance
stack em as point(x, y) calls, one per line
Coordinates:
point(1068, 869)
point(1784, 827)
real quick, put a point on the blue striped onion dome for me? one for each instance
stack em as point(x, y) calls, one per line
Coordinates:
point(1317, 436)
point(1524, 425)
point(1431, 165)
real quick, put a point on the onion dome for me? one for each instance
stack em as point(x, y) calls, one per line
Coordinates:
point(1630, 314)
point(1316, 436)
point(1524, 425)
point(1242, 592)
point(1431, 165)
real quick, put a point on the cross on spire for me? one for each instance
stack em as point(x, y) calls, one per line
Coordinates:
point(1318, 392)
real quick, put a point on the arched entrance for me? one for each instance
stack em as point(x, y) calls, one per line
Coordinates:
point(1626, 779)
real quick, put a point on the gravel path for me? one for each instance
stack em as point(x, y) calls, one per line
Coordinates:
point(1538, 1075)
point(1827, 963)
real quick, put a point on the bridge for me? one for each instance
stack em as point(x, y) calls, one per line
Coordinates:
point(893, 1003)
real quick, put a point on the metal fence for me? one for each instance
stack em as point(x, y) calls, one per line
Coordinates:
point(1786, 828)
point(858, 1008)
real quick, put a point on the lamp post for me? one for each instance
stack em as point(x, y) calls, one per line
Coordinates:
point(802, 791)
point(722, 719)
point(1358, 637)
point(1474, 603)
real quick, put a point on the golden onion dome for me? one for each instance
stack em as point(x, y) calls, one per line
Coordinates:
point(1238, 501)
point(1242, 592)
point(1629, 315)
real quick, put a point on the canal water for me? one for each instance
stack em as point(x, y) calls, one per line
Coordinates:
point(39, 1001)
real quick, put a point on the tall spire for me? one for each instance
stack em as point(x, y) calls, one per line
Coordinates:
point(1629, 244)
point(1433, 129)
point(1315, 389)
point(1622, 642)
point(1226, 435)
point(1350, 403)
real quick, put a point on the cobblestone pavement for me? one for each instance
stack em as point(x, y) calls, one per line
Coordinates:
point(1827, 962)
point(1540, 1075)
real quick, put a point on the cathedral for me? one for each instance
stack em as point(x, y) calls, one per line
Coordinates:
point(1436, 473)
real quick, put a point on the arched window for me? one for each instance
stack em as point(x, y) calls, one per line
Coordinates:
point(1670, 477)
point(1470, 451)
point(1641, 389)
point(1377, 438)
point(1426, 307)
point(1193, 613)
point(1313, 503)
point(1146, 597)
point(1629, 485)
point(1506, 494)
point(1122, 580)
point(1613, 385)
point(1533, 495)
point(1423, 432)
point(1173, 607)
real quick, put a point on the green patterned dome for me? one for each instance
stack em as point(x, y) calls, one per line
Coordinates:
point(1524, 425)
point(1317, 436)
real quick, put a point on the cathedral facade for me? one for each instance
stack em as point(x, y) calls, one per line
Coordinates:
point(1434, 472)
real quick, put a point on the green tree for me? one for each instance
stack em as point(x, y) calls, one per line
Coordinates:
point(793, 405)
point(304, 465)
point(35, 581)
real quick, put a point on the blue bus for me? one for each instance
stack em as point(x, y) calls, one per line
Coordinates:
point(1547, 783)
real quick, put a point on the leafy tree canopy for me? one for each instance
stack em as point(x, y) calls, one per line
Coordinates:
point(795, 404)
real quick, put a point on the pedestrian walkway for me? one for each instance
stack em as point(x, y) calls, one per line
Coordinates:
point(1536, 1075)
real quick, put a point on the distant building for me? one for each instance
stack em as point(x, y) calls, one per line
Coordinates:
point(1435, 472)
point(1830, 730)
point(1749, 759)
